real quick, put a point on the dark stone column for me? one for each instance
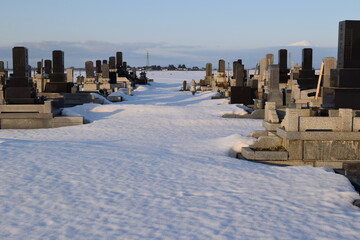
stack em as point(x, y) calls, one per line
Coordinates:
point(19, 88)
point(282, 63)
point(105, 70)
point(39, 67)
point(89, 69)
point(119, 60)
point(98, 66)
point(307, 78)
point(48, 66)
point(221, 66)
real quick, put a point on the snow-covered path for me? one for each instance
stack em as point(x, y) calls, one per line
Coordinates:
point(157, 167)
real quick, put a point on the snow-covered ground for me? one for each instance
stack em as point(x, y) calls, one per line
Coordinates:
point(158, 166)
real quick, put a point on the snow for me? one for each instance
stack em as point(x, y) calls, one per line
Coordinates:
point(159, 166)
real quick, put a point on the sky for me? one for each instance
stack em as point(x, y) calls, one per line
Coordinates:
point(189, 32)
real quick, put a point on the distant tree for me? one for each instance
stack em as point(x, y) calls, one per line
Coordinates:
point(171, 67)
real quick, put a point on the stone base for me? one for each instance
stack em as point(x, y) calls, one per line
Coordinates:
point(341, 98)
point(33, 117)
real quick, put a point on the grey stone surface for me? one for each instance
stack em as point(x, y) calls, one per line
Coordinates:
point(294, 148)
point(274, 94)
point(271, 155)
point(89, 69)
point(258, 134)
point(318, 135)
point(331, 150)
point(267, 142)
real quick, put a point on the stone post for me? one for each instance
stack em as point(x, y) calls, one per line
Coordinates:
point(105, 70)
point(38, 67)
point(184, 86)
point(208, 70)
point(70, 75)
point(48, 66)
point(98, 66)
point(112, 64)
point(283, 69)
point(221, 66)
point(119, 60)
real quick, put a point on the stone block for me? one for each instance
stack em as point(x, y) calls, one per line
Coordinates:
point(346, 120)
point(63, 121)
point(247, 153)
point(270, 155)
point(58, 61)
point(242, 95)
point(294, 148)
point(331, 150)
point(31, 123)
point(319, 123)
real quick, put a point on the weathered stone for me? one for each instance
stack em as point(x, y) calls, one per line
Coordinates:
point(89, 69)
point(331, 150)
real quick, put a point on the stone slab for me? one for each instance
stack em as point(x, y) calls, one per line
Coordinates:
point(270, 126)
point(349, 136)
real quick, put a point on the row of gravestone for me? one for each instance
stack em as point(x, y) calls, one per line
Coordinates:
point(340, 91)
point(19, 87)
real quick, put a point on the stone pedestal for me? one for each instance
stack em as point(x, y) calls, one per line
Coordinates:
point(243, 95)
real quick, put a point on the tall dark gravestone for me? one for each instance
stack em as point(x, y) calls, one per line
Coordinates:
point(98, 66)
point(19, 88)
point(58, 82)
point(112, 68)
point(112, 62)
point(283, 69)
point(345, 79)
point(119, 60)
point(39, 67)
point(89, 69)
point(221, 68)
point(48, 66)
point(307, 78)
point(2, 67)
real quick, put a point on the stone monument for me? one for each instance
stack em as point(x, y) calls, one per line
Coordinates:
point(307, 78)
point(19, 88)
point(345, 79)
point(57, 83)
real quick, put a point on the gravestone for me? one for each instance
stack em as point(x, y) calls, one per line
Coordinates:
point(58, 82)
point(98, 66)
point(48, 67)
point(238, 74)
point(345, 79)
point(19, 88)
point(283, 69)
point(119, 60)
point(274, 94)
point(209, 75)
point(105, 61)
point(2, 67)
point(105, 70)
point(269, 59)
point(307, 78)
point(70, 75)
point(112, 69)
point(112, 64)
point(329, 65)
point(39, 67)
point(221, 68)
point(89, 69)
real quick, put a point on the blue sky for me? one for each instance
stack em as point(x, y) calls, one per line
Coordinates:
point(182, 31)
